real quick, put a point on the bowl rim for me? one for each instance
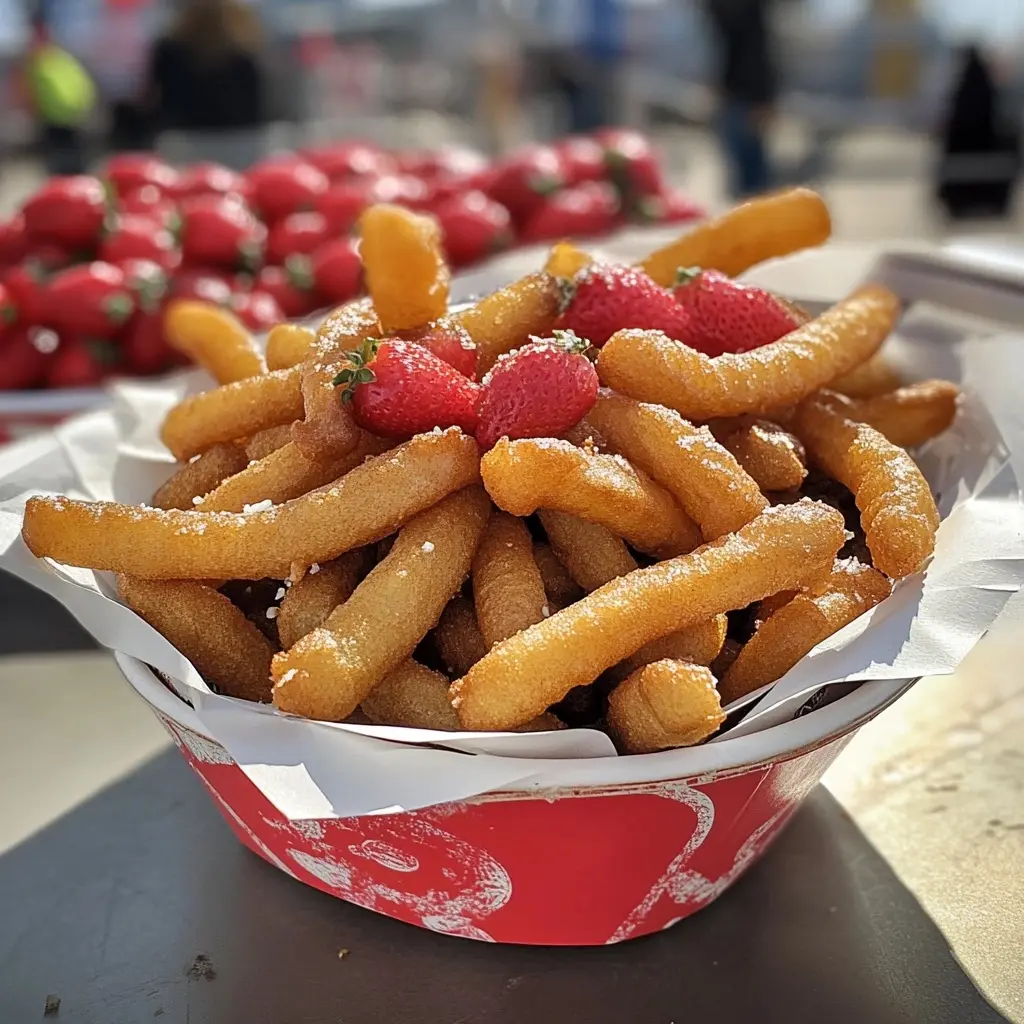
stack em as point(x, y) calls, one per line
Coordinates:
point(794, 738)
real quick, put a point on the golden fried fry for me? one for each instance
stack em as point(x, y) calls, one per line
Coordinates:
point(648, 366)
point(897, 510)
point(308, 602)
point(260, 445)
point(794, 629)
point(592, 554)
point(214, 338)
point(699, 644)
point(504, 320)
point(328, 430)
point(707, 482)
point(227, 650)
point(870, 378)
point(285, 474)
point(232, 411)
point(329, 672)
point(522, 476)
point(520, 677)
point(200, 476)
point(403, 258)
point(726, 656)
point(508, 591)
point(546, 722)
point(771, 455)
point(457, 636)
point(566, 260)
point(559, 585)
point(911, 415)
point(586, 435)
point(368, 503)
point(758, 230)
point(413, 696)
point(288, 345)
point(665, 704)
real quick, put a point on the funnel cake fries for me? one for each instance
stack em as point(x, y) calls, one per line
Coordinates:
point(699, 645)
point(871, 378)
point(520, 677)
point(910, 415)
point(232, 411)
point(706, 480)
point(260, 445)
point(288, 345)
point(508, 590)
point(648, 366)
point(413, 696)
point(668, 703)
point(366, 504)
point(197, 478)
point(796, 628)
point(759, 230)
point(308, 602)
point(559, 585)
point(771, 455)
point(329, 672)
point(458, 638)
point(897, 510)
point(227, 650)
point(522, 476)
point(214, 338)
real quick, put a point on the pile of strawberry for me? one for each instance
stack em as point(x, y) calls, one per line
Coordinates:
point(401, 386)
point(88, 263)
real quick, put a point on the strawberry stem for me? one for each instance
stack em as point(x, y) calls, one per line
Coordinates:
point(358, 371)
point(571, 341)
point(686, 275)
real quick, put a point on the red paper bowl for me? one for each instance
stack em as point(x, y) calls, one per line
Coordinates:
point(574, 866)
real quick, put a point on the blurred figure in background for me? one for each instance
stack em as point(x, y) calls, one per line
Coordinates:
point(62, 97)
point(747, 86)
point(208, 86)
point(980, 155)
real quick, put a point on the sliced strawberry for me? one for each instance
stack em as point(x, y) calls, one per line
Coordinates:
point(607, 297)
point(399, 388)
point(726, 316)
point(541, 390)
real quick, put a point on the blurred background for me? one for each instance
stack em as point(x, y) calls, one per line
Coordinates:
point(906, 112)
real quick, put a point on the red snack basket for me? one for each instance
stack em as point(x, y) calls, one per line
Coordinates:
point(577, 866)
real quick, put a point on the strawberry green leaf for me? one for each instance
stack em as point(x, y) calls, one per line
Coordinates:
point(119, 307)
point(686, 275)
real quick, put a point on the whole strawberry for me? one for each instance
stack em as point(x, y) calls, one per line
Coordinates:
point(584, 211)
point(449, 342)
point(540, 390)
point(726, 316)
point(399, 388)
point(607, 297)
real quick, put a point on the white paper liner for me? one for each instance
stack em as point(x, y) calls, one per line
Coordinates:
point(310, 769)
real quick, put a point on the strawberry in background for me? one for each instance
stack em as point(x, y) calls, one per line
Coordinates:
point(343, 161)
point(134, 237)
point(583, 159)
point(208, 179)
point(585, 211)
point(91, 300)
point(523, 179)
point(220, 231)
point(150, 202)
point(144, 347)
point(294, 301)
point(474, 227)
point(214, 286)
point(341, 205)
point(128, 172)
point(283, 185)
point(258, 310)
point(632, 164)
point(25, 352)
point(727, 316)
point(300, 233)
point(331, 275)
point(13, 243)
point(66, 211)
point(82, 363)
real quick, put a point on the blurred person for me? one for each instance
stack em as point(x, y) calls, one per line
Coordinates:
point(207, 84)
point(61, 96)
point(980, 153)
point(747, 87)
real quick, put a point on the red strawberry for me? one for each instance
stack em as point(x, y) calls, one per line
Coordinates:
point(402, 189)
point(128, 172)
point(208, 179)
point(632, 163)
point(293, 300)
point(399, 388)
point(582, 159)
point(334, 273)
point(82, 363)
point(283, 185)
point(522, 179)
point(208, 285)
point(258, 310)
point(341, 205)
point(135, 237)
point(673, 206)
point(474, 227)
point(67, 211)
point(341, 161)
point(540, 390)
point(146, 280)
point(91, 300)
point(149, 201)
point(301, 233)
point(145, 349)
point(13, 243)
point(220, 231)
point(450, 342)
point(726, 316)
point(585, 211)
point(608, 297)
point(25, 286)
point(24, 353)
point(8, 311)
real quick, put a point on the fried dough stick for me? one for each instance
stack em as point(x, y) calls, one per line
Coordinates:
point(910, 415)
point(770, 454)
point(308, 602)
point(200, 476)
point(214, 338)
